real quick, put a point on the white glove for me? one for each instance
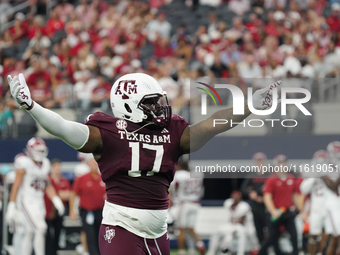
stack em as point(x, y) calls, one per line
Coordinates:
point(20, 91)
point(263, 98)
point(58, 204)
point(11, 215)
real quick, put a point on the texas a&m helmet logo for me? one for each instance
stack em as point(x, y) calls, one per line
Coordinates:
point(126, 87)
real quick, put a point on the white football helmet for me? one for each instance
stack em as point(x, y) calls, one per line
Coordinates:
point(36, 149)
point(333, 150)
point(139, 98)
point(320, 157)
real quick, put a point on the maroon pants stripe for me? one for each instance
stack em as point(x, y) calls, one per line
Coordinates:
point(114, 240)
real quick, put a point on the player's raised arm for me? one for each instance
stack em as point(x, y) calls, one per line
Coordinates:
point(79, 136)
point(196, 136)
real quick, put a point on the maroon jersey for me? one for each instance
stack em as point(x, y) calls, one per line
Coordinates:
point(138, 167)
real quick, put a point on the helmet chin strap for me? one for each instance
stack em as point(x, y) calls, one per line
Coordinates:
point(147, 124)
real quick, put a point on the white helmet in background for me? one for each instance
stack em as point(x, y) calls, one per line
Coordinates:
point(139, 98)
point(36, 149)
point(320, 157)
point(333, 150)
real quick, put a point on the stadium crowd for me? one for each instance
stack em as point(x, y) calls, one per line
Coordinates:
point(71, 57)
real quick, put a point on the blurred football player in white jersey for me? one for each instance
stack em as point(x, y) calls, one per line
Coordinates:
point(186, 193)
point(332, 197)
point(318, 214)
point(239, 224)
point(27, 197)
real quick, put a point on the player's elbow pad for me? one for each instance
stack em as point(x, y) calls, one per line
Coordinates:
point(74, 134)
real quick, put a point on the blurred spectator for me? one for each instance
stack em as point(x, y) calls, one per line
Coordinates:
point(136, 66)
point(236, 32)
point(213, 23)
point(6, 119)
point(240, 7)
point(218, 68)
point(42, 94)
point(4, 7)
point(102, 43)
point(158, 27)
point(91, 190)
point(35, 25)
point(101, 94)
point(162, 48)
point(64, 10)
point(183, 49)
point(203, 48)
point(53, 24)
point(106, 67)
point(83, 89)
point(231, 53)
point(272, 4)
point(332, 56)
point(287, 47)
point(233, 71)
point(275, 22)
point(53, 220)
point(155, 4)
point(214, 3)
point(109, 18)
point(86, 59)
point(274, 69)
point(6, 40)
point(168, 84)
point(323, 35)
point(39, 41)
point(55, 74)
point(111, 40)
point(19, 29)
point(249, 69)
point(254, 25)
point(39, 72)
point(270, 49)
point(19, 68)
point(120, 47)
point(137, 35)
point(63, 94)
point(292, 64)
point(333, 20)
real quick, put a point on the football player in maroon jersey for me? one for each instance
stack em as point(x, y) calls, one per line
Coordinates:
point(136, 151)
